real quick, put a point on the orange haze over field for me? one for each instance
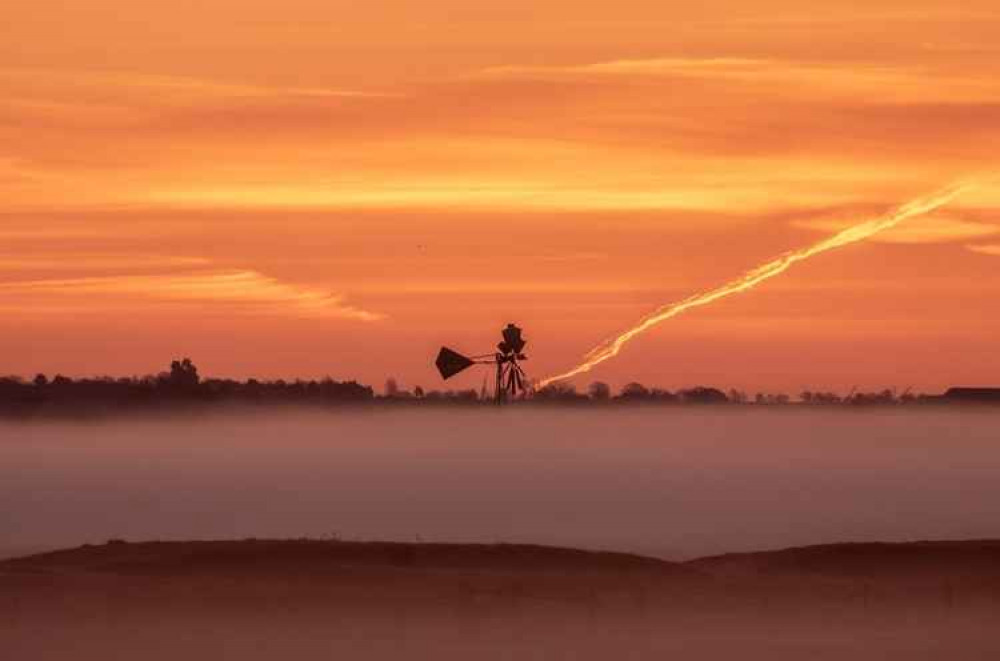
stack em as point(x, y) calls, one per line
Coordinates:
point(308, 188)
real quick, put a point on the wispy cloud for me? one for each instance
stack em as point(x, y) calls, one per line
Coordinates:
point(664, 65)
point(689, 133)
point(583, 183)
point(930, 229)
point(77, 261)
point(233, 292)
point(790, 78)
point(986, 249)
point(163, 87)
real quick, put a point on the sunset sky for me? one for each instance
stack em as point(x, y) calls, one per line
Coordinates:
point(319, 187)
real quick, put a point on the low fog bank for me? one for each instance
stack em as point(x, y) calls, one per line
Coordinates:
point(676, 483)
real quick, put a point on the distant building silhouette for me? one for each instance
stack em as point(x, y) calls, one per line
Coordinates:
point(973, 395)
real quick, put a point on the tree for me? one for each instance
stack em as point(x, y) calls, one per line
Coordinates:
point(183, 374)
point(558, 392)
point(704, 395)
point(826, 398)
point(41, 381)
point(599, 391)
point(634, 391)
point(661, 395)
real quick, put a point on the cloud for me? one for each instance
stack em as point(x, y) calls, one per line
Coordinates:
point(534, 194)
point(986, 249)
point(49, 233)
point(649, 66)
point(77, 261)
point(620, 135)
point(95, 105)
point(929, 229)
point(231, 292)
point(115, 86)
point(786, 78)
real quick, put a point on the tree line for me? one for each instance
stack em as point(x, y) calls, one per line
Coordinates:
point(182, 385)
point(599, 392)
point(178, 386)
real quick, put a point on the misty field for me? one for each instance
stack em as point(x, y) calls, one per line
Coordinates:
point(673, 483)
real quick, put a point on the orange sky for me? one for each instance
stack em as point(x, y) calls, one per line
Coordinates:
point(322, 187)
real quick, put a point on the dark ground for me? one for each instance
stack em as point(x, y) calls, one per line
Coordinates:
point(302, 599)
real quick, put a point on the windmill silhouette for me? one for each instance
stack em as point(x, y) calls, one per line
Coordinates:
point(510, 377)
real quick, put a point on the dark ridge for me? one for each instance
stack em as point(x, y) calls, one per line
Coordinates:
point(312, 556)
point(973, 559)
point(922, 559)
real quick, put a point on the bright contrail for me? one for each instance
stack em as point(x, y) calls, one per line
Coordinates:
point(860, 232)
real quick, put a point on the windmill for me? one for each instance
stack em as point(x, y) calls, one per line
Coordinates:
point(510, 378)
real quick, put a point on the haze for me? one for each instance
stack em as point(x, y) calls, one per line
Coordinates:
point(675, 483)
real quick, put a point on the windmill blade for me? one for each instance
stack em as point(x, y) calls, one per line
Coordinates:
point(450, 363)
